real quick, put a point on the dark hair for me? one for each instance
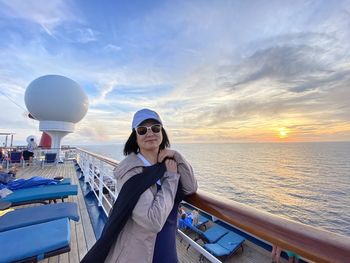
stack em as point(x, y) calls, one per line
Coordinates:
point(131, 145)
point(32, 139)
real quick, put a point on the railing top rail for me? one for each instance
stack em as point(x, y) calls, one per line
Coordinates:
point(39, 148)
point(100, 157)
point(310, 242)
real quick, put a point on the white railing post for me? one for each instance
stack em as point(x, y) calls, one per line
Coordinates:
point(98, 175)
point(100, 182)
point(86, 169)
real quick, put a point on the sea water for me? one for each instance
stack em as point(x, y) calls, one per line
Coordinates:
point(305, 182)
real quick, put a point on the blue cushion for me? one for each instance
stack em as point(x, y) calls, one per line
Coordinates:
point(226, 245)
point(41, 193)
point(216, 250)
point(50, 157)
point(38, 214)
point(231, 241)
point(15, 157)
point(214, 233)
point(34, 240)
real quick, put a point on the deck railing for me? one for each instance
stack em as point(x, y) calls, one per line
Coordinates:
point(98, 173)
point(309, 242)
point(64, 153)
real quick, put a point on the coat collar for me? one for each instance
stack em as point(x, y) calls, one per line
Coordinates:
point(129, 163)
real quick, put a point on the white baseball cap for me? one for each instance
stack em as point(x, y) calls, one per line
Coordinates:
point(145, 114)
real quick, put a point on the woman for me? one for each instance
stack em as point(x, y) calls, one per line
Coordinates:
point(149, 234)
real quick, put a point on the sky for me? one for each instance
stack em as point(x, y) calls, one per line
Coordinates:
point(216, 71)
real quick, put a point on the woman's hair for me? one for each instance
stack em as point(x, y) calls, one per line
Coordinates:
point(131, 145)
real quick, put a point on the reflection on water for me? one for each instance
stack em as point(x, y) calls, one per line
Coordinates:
point(306, 182)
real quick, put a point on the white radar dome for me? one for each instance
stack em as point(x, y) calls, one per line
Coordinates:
point(56, 98)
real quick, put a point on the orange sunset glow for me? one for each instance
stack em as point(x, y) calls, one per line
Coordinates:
point(282, 133)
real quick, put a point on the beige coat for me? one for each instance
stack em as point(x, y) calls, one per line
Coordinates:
point(135, 243)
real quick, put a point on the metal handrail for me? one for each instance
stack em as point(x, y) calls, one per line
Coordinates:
point(309, 242)
point(110, 161)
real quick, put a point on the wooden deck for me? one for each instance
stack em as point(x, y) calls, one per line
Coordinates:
point(83, 237)
point(82, 234)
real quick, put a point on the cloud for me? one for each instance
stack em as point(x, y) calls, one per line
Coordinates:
point(293, 80)
point(87, 35)
point(48, 14)
point(286, 64)
point(210, 70)
point(77, 33)
point(112, 48)
point(103, 92)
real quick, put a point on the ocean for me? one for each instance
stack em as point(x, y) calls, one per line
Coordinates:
point(305, 182)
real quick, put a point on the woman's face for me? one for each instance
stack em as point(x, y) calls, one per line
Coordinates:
point(151, 140)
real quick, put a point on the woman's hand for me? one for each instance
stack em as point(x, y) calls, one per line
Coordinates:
point(171, 166)
point(166, 153)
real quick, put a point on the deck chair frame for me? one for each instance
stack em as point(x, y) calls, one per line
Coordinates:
point(46, 255)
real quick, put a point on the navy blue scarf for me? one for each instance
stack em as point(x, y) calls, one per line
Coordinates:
point(122, 209)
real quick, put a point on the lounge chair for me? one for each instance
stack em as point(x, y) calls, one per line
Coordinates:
point(15, 158)
point(50, 158)
point(210, 235)
point(226, 246)
point(35, 242)
point(213, 234)
point(40, 194)
point(38, 214)
point(1, 157)
point(26, 157)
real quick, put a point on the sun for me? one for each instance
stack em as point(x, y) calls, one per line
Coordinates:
point(282, 133)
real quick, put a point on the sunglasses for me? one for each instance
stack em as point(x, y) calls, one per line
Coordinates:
point(142, 130)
